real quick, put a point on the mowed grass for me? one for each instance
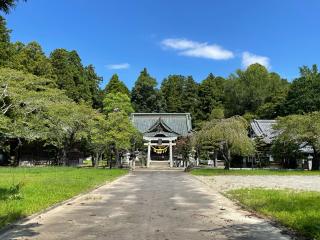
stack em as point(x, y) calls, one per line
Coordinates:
point(219, 172)
point(24, 191)
point(299, 211)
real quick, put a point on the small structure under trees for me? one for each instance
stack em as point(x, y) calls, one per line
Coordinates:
point(160, 132)
point(273, 147)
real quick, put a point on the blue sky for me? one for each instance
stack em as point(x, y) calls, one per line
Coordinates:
point(175, 36)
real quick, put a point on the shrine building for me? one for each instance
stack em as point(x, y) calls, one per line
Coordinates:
point(160, 132)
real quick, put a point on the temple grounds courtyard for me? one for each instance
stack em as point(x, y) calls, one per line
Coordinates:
point(148, 205)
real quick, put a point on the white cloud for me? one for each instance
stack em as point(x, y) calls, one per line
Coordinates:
point(249, 58)
point(190, 48)
point(118, 66)
point(179, 44)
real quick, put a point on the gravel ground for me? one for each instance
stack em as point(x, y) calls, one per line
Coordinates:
point(225, 183)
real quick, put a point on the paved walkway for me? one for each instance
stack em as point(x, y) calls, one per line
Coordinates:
point(164, 205)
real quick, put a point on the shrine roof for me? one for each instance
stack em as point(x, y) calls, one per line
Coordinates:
point(173, 123)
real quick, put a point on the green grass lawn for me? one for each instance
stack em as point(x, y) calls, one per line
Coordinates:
point(299, 211)
point(41, 187)
point(218, 172)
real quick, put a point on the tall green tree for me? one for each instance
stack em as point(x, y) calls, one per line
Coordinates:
point(250, 89)
point(5, 46)
point(179, 94)
point(190, 97)
point(71, 75)
point(211, 95)
point(30, 58)
point(120, 131)
point(172, 89)
point(115, 85)
point(303, 95)
point(93, 81)
point(117, 102)
point(144, 95)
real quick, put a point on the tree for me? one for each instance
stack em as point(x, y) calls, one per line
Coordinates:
point(190, 99)
point(144, 95)
point(117, 102)
point(303, 95)
point(93, 82)
point(115, 86)
point(183, 148)
point(71, 75)
point(120, 132)
point(5, 46)
point(229, 136)
point(172, 89)
point(34, 110)
point(26, 98)
point(6, 5)
point(302, 130)
point(179, 94)
point(67, 124)
point(286, 152)
point(31, 59)
point(5, 124)
point(217, 113)
point(97, 137)
point(252, 88)
point(211, 95)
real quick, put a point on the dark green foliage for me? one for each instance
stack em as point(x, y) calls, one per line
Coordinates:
point(31, 59)
point(93, 81)
point(172, 90)
point(190, 96)
point(5, 47)
point(144, 95)
point(211, 95)
point(70, 77)
point(302, 130)
point(179, 94)
point(286, 152)
point(251, 89)
point(303, 96)
point(6, 5)
point(79, 83)
point(115, 85)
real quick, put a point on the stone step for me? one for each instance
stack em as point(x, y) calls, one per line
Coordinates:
point(159, 164)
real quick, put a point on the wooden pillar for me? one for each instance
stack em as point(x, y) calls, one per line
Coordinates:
point(170, 154)
point(149, 154)
point(215, 158)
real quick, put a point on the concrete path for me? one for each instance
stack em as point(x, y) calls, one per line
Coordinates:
point(164, 205)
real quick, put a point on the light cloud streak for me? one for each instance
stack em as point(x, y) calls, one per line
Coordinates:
point(190, 48)
point(118, 66)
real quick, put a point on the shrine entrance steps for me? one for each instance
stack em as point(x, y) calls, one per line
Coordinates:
point(159, 165)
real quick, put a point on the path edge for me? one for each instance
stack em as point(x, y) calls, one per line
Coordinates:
point(12, 225)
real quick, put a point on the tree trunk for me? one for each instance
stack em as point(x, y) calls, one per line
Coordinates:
point(315, 160)
point(64, 156)
point(117, 158)
point(17, 153)
point(94, 160)
point(110, 161)
point(215, 158)
point(227, 158)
